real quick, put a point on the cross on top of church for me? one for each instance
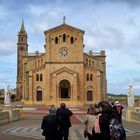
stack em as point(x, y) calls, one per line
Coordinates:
point(64, 20)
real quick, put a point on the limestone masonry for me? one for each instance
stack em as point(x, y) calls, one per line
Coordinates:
point(63, 73)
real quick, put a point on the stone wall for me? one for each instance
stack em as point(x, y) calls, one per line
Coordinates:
point(131, 114)
point(135, 116)
point(10, 115)
point(16, 115)
point(4, 117)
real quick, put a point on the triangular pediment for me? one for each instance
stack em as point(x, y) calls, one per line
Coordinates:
point(64, 69)
point(63, 26)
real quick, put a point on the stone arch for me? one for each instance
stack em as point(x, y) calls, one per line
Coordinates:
point(39, 93)
point(89, 93)
point(64, 89)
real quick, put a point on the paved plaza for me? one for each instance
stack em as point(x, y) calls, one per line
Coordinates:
point(29, 127)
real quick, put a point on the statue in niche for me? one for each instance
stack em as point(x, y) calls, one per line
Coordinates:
point(7, 97)
point(130, 96)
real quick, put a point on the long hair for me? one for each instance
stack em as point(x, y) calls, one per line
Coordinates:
point(107, 109)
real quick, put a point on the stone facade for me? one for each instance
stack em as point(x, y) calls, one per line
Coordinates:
point(63, 73)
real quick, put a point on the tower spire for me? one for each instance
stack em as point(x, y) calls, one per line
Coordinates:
point(64, 20)
point(22, 29)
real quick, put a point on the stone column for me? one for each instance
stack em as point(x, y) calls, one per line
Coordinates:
point(98, 95)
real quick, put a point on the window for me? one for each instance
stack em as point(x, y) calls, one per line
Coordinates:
point(37, 77)
point(21, 38)
point(91, 77)
point(87, 77)
point(41, 77)
point(71, 40)
point(56, 40)
point(89, 62)
point(93, 64)
point(41, 61)
point(21, 48)
point(64, 37)
point(38, 62)
point(35, 64)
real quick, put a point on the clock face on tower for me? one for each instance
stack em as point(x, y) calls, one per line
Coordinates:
point(64, 52)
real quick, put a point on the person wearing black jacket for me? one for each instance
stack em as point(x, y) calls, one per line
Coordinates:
point(106, 114)
point(63, 119)
point(49, 125)
point(118, 109)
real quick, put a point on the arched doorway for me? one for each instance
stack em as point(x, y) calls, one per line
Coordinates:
point(89, 95)
point(64, 89)
point(39, 93)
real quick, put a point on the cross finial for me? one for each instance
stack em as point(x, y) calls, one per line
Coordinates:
point(64, 19)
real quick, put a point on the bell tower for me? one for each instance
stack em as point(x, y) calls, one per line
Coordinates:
point(22, 51)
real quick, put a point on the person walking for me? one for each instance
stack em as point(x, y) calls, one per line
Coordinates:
point(101, 130)
point(90, 122)
point(49, 125)
point(63, 118)
point(118, 109)
point(107, 124)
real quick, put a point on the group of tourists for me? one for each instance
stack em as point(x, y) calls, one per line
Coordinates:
point(103, 122)
point(56, 124)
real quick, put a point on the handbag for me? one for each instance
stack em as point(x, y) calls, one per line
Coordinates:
point(85, 132)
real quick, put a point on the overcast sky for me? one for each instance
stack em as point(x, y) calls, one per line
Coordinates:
point(110, 25)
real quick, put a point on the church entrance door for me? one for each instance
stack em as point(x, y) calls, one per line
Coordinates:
point(64, 89)
point(39, 95)
point(89, 96)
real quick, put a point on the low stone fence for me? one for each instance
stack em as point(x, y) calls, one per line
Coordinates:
point(131, 114)
point(135, 116)
point(10, 114)
point(4, 117)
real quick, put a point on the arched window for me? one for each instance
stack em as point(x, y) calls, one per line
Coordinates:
point(41, 61)
point(22, 39)
point(38, 62)
point(89, 62)
point(71, 40)
point(56, 40)
point(35, 64)
point(87, 77)
point(91, 77)
point(37, 77)
point(64, 37)
point(93, 64)
point(41, 77)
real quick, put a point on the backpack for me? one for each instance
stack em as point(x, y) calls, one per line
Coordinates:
point(117, 131)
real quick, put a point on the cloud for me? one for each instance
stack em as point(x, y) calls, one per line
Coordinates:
point(131, 21)
point(4, 12)
point(138, 62)
point(121, 87)
point(130, 3)
point(7, 47)
point(106, 38)
point(43, 10)
point(36, 10)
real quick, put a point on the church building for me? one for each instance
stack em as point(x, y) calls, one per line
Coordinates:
point(63, 73)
